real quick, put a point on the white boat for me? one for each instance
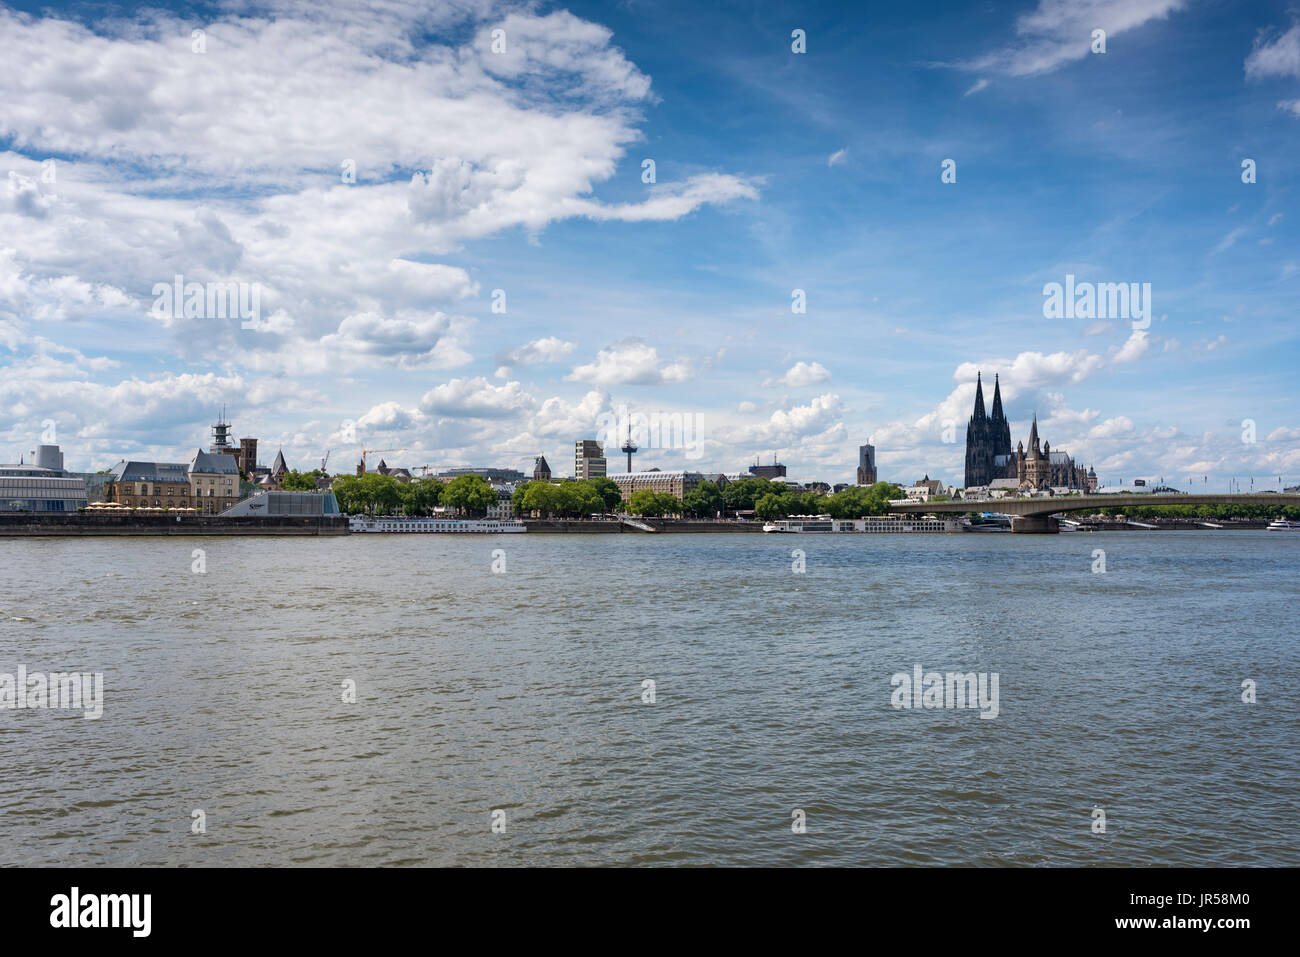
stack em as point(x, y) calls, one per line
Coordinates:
point(397, 525)
point(1282, 525)
point(872, 524)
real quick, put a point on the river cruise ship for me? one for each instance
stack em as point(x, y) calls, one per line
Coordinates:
point(402, 525)
point(813, 524)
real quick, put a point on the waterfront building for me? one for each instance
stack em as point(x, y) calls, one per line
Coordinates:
point(42, 487)
point(589, 459)
point(209, 482)
point(215, 481)
point(541, 471)
point(676, 483)
point(867, 465)
point(275, 503)
point(504, 507)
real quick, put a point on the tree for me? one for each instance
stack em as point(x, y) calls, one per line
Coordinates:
point(653, 504)
point(704, 501)
point(421, 496)
point(607, 490)
point(470, 494)
point(743, 493)
point(295, 481)
point(771, 506)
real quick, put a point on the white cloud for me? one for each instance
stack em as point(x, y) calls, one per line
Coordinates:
point(226, 166)
point(409, 340)
point(839, 157)
point(1279, 56)
point(476, 398)
point(978, 85)
point(1057, 32)
point(548, 349)
point(801, 374)
point(630, 362)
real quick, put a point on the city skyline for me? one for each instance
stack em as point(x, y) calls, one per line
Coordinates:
point(774, 172)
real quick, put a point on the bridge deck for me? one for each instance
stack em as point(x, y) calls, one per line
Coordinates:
point(1082, 503)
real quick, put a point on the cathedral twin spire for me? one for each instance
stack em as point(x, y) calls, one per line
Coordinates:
point(987, 436)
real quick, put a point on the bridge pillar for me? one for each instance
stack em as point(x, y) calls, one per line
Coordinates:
point(1034, 525)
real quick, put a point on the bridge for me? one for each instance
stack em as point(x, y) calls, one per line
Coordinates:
point(1034, 515)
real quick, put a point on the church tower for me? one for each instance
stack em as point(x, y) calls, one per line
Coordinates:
point(987, 437)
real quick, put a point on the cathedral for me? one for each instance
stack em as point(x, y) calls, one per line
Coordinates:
point(989, 455)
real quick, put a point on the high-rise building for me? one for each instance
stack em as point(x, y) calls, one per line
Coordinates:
point(588, 459)
point(775, 470)
point(867, 465)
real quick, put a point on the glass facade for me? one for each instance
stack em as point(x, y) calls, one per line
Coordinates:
point(31, 489)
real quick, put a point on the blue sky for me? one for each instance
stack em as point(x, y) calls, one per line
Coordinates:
point(521, 171)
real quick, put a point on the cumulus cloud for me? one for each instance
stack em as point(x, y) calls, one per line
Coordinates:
point(408, 340)
point(333, 212)
point(476, 398)
point(801, 374)
point(548, 349)
point(631, 362)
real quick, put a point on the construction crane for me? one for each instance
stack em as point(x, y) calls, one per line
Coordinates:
point(325, 461)
point(365, 452)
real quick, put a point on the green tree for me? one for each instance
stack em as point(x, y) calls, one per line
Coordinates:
point(653, 504)
point(470, 494)
point(772, 506)
point(295, 481)
point(608, 492)
point(421, 496)
point(741, 494)
point(704, 501)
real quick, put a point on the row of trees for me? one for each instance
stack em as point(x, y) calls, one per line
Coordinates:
point(1261, 512)
point(568, 498)
point(383, 495)
point(856, 501)
point(375, 494)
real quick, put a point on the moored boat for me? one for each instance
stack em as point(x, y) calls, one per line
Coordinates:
point(872, 524)
point(394, 524)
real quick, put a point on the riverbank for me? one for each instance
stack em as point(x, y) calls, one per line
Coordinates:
point(55, 524)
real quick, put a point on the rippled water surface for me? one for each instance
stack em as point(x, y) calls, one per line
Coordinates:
point(522, 692)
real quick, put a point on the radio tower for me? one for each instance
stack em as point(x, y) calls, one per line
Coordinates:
point(629, 446)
